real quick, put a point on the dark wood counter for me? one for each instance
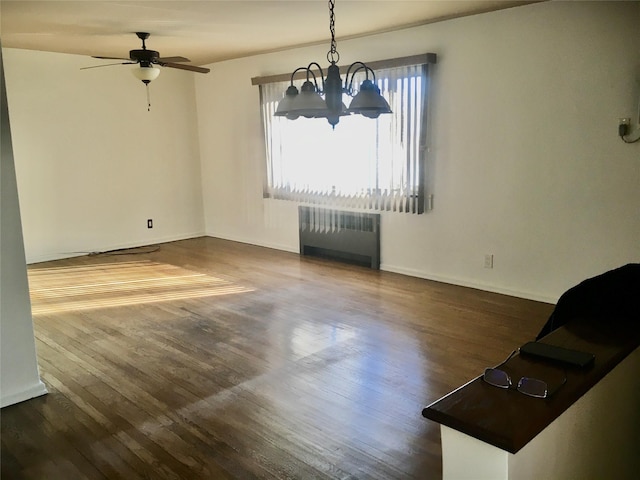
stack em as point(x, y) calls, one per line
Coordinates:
point(509, 419)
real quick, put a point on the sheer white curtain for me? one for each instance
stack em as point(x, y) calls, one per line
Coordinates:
point(362, 163)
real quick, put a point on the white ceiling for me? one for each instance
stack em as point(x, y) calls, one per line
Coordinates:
point(207, 31)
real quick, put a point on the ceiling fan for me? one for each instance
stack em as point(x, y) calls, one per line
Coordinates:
point(147, 59)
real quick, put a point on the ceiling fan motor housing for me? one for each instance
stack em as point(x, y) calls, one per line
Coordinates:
point(144, 56)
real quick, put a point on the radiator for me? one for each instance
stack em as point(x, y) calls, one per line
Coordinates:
point(347, 236)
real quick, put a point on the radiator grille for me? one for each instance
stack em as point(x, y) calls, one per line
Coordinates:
point(352, 237)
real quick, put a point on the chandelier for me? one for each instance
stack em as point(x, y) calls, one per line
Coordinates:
point(309, 103)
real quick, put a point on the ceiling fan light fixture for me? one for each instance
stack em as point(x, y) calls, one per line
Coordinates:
point(146, 73)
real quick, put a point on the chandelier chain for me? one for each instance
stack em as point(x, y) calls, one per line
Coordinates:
point(333, 54)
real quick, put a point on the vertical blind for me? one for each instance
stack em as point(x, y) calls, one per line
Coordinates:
point(371, 164)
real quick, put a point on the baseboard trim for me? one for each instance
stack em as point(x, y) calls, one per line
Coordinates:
point(538, 297)
point(108, 248)
point(36, 390)
point(273, 246)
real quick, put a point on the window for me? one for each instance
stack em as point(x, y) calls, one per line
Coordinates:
point(362, 163)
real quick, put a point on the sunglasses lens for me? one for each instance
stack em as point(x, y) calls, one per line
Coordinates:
point(497, 378)
point(532, 387)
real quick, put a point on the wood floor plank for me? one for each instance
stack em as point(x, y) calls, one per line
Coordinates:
point(210, 359)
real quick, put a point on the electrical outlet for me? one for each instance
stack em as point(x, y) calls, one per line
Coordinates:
point(488, 261)
point(150, 223)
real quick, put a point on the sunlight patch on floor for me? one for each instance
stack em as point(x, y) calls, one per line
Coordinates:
point(118, 284)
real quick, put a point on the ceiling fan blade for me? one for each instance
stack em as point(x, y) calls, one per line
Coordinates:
point(191, 68)
point(110, 58)
point(173, 59)
point(108, 65)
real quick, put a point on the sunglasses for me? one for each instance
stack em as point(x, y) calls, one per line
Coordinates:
point(528, 386)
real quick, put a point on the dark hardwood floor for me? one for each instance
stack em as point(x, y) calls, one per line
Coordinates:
point(209, 359)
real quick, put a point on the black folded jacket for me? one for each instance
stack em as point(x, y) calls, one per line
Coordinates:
point(612, 298)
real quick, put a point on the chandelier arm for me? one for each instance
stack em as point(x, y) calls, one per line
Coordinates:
point(361, 66)
point(296, 71)
point(309, 71)
point(373, 74)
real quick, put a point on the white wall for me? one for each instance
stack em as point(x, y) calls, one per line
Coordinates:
point(92, 163)
point(525, 159)
point(19, 377)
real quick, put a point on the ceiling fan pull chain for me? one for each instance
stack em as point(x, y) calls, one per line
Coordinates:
point(148, 98)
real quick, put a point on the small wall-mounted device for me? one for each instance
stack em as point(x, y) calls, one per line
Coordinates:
point(624, 126)
point(150, 223)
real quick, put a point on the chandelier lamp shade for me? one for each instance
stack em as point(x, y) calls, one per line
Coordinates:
point(309, 101)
